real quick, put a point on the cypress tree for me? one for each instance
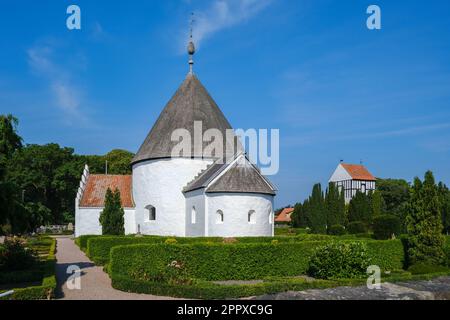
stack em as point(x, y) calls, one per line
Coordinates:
point(112, 216)
point(377, 204)
point(317, 214)
point(298, 220)
point(444, 199)
point(306, 215)
point(360, 208)
point(424, 224)
point(335, 206)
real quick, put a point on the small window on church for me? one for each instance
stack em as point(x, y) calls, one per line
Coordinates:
point(151, 213)
point(219, 217)
point(252, 217)
point(193, 216)
point(363, 188)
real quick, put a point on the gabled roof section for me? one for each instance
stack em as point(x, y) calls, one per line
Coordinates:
point(190, 103)
point(206, 176)
point(97, 185)
point(241, 176)
point(358, 172)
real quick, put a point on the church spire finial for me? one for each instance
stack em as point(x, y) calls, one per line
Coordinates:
point(191, 46)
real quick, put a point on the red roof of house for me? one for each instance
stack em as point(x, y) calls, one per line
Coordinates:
point(358, 172)
point(284, 215)
point(97, 184)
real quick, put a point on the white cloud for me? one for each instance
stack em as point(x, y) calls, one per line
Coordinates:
point(65, 93)
point(222, 14)
point(66, 97)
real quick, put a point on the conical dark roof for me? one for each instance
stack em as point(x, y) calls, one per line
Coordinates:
point(190, 103)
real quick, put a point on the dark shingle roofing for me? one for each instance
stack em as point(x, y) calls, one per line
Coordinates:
point(241, 177)
point(204, 177)
point(97, 184)
point(190, 103)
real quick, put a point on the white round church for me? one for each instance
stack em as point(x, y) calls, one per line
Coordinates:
point(186, 196)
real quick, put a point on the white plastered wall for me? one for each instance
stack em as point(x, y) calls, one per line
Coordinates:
point(235, 208)
point(340, 174)
point(160, 183)
point(87, 221)
point(195, 199)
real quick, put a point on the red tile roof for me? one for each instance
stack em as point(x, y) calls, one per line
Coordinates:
point(358, 172)
point(97, 184)
point(284, 215)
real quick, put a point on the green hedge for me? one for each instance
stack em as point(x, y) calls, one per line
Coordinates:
point(82, 241)
point(47, 289)
point(22, 276)
point(98, 248)
point(233, 261)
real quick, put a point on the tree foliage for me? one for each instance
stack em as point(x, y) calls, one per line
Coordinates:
point(385, 226)
point(377, 203)
point(112, 216)
point(335, 206)
point(316, 210)
point(38, 183)
point(444, 200)
point(424, 224)
point(360, 208)
point(10, 142)
point(396, 195)
point(297, 217)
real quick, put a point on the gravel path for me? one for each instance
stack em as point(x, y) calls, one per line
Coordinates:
point(95, 284)
point(436, 289)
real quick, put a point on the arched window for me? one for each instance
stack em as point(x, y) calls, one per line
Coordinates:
point(252, 217)
point(219, 217)
point(193, 215)
point(151, 213)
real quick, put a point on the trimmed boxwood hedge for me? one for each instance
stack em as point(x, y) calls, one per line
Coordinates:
point(47, 289)
point(233, 261)
point(82, 241)
point(98, 247)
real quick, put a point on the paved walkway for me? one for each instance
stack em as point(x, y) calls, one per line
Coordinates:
point(95, 284)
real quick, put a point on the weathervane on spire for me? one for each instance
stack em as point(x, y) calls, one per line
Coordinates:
point(191, 47)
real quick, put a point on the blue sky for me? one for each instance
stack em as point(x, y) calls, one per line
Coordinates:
point(310, 68)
